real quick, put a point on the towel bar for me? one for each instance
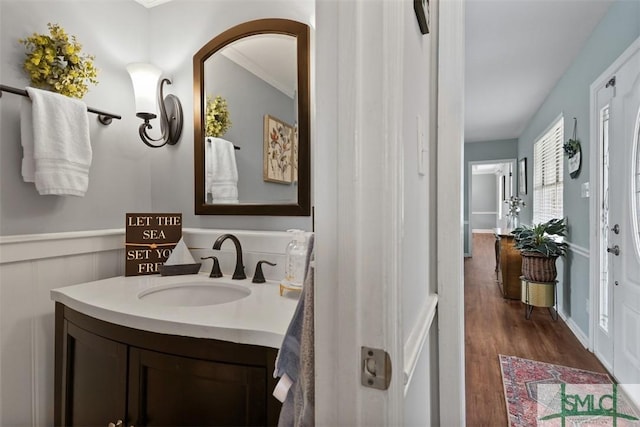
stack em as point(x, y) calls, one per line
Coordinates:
point(103, 117)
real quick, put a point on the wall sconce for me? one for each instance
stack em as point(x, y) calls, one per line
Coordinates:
point(149, 97)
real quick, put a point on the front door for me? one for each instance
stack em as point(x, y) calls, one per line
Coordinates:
point(603, 331)
point(624, 217)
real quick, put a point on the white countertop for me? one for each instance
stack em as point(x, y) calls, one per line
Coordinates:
point(261, 318)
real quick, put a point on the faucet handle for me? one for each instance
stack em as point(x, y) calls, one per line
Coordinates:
point(215, 271)
point(258, 276)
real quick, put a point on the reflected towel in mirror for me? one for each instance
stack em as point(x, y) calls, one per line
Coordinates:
point(221, 171)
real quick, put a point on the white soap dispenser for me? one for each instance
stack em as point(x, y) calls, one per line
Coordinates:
point(296, 257)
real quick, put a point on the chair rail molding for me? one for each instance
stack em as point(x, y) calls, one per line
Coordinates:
point(25, 247)
point(578, 250)
point(417, 337)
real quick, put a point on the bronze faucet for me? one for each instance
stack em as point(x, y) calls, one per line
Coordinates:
point(239, 271)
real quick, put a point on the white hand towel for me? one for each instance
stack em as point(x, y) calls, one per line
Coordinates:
point(221, 171)
point(208, 173)
point(62, 149)
point(26, 138)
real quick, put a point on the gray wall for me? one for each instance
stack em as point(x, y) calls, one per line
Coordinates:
point(484, 198)
point(120, 177)
point(249, 98)
point(505, 149)
point(617, 30)
point(125, 176)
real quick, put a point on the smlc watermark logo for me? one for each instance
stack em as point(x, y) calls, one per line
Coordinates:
point(584, 405)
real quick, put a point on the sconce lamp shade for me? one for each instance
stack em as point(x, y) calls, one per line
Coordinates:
point(145, 86)
point(151, 103)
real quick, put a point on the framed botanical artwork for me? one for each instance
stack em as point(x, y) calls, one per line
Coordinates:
point(522, 176)
point(278, 151)
point(421, 7)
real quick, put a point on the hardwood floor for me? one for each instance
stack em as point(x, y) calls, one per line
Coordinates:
point(495, 326)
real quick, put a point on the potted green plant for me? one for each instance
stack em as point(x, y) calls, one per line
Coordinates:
point(540, 245)
point(571, 147)
point(573, 151)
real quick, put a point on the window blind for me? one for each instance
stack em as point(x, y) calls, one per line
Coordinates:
point(548, 174)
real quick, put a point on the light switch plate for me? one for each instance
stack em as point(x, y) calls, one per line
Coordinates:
point(584, 190)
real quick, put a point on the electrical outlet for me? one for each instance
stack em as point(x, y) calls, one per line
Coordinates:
point(584, 190)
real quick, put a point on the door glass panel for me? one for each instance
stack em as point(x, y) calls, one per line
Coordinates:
point(603, 317)
point(635, 214)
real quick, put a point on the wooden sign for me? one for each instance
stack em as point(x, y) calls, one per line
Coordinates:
point(150, 238)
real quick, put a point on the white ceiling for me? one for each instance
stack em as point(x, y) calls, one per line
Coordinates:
point(271, 57)
point(516, 50)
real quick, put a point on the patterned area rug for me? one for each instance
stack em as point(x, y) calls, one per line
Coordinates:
point(535, 392)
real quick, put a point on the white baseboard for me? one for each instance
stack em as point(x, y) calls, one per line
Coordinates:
point(573, 326)
point(482, 230)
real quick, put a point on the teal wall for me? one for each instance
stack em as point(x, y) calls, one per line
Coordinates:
point(505, 149)
point(570, 97)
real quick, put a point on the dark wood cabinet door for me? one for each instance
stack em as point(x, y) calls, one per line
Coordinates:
point(94, 386)
point(510, 267)
point(170, 390)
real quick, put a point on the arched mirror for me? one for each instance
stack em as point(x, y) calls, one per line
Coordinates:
point(258, 72)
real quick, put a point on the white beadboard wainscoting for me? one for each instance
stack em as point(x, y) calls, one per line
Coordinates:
point(32, 265)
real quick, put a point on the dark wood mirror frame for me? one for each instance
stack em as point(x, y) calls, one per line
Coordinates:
point(262, 26)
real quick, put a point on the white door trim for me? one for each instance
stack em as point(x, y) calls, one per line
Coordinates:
point(594, 172)
point(449, 218)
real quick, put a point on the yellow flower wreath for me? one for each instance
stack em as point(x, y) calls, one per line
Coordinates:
point(54, 62)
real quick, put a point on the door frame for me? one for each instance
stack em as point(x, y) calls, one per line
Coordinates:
point(449, 215)
point(514, 184)
point(595, 171)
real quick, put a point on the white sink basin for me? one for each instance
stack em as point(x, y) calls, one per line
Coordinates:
point(193, 294)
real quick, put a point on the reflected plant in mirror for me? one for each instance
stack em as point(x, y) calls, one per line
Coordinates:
point(217, 117)
point(258, 70)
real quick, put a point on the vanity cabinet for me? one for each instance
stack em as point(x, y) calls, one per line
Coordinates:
point(105, 373)
point(96, 375)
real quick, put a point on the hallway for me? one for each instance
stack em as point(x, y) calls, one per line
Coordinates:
point(495, 326)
